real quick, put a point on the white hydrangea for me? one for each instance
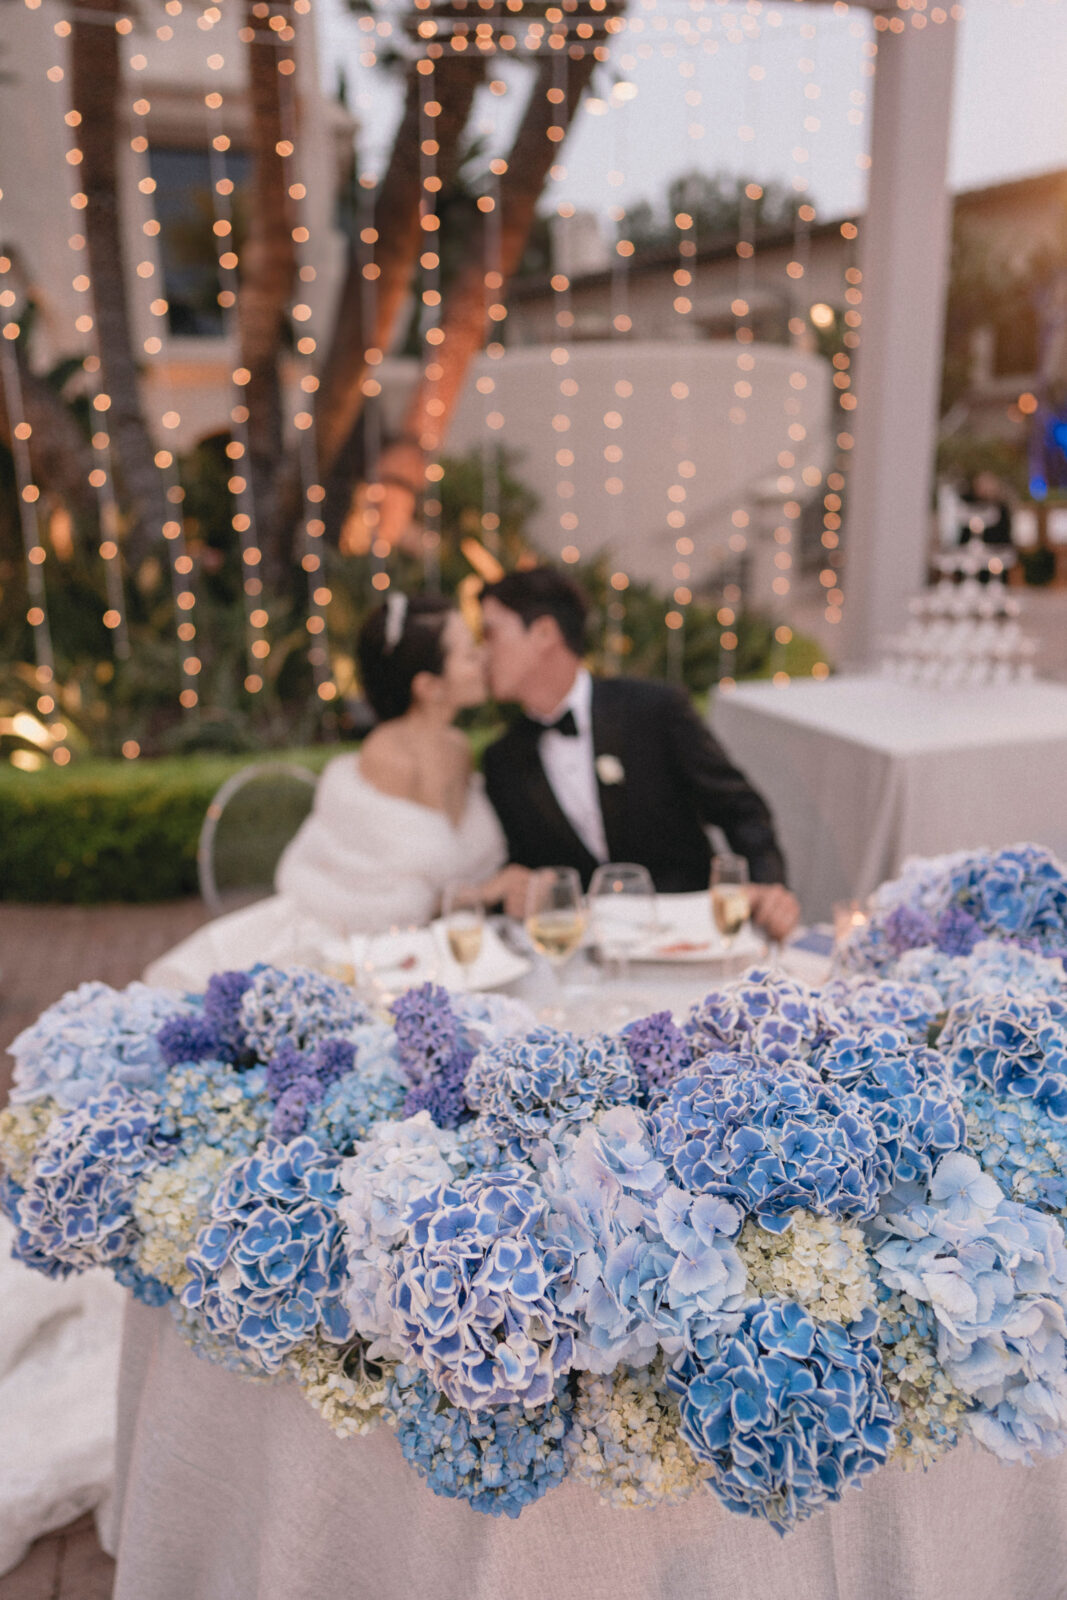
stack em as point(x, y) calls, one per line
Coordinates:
point(170, 1206)
point(22, 1128)
point(345, 1388)
point(817, 1261)
point(625, 1441)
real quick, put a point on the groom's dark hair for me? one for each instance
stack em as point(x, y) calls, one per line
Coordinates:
point(544, 592)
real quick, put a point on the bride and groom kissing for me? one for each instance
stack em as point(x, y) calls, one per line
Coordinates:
point(591, 770)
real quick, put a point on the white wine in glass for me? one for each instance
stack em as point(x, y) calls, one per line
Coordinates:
point(555, 912)
point(730, 907)
point(463, 914)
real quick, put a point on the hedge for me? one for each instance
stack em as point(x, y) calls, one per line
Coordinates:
point(99, 830)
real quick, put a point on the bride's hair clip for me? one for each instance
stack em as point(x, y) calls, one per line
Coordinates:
point(396, 611)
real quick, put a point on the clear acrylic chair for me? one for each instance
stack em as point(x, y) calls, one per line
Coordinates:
point(247, 826)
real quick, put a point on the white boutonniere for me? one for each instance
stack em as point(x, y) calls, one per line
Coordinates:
point(610, 770)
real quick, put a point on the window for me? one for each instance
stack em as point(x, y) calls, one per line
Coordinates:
point(187, 245)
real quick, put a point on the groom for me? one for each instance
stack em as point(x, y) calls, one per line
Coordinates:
point(612, 769)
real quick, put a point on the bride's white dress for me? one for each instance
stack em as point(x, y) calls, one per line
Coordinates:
point(363, 862)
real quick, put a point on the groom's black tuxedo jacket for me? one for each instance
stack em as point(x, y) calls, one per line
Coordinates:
point(677, 779)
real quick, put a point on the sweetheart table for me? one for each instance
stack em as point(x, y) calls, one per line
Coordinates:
point(230, 1490)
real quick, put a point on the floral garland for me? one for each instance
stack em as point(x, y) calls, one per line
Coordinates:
point(756, 1252)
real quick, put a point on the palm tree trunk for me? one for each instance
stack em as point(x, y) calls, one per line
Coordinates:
point(465, 315)
point(268, 271)
point(399, 243)
point(59, 454)
point(96, 76)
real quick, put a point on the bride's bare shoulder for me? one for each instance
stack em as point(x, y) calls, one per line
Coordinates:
point(387, 762)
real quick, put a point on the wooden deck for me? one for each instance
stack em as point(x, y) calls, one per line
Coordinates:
point(44, 951)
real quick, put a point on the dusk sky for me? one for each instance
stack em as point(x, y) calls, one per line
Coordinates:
point(1010, 116)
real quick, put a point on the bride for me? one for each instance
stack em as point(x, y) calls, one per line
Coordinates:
point(391, 825)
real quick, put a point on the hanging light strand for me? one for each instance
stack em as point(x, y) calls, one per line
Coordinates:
point(319, 594)
point(430, 321)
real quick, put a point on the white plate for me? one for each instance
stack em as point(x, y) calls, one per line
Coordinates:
point(407, 957)
point(687, 935)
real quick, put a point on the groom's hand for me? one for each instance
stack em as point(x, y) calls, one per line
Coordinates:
point(508, 887)
point(774, 910)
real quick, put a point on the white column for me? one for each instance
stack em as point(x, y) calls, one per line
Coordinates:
point(904, 259)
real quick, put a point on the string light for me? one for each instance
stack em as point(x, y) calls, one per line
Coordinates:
point(240, 486)
point(486, 383)
point(29, 521)
point(319, 594)
point(430, 321)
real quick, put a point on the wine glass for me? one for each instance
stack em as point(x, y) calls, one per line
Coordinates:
point(622, 911)
point(463, 914)
point(555, 913)
point(730, 908)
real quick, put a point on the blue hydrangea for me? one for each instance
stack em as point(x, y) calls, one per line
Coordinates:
point(374, 1091)
point(765, 1014)
point(789, 1412)
point(907, 1093)
point(1014, 1045)
point(75, 1209)
point(1021, 1147)
point(638, 1258)
point(472, 1295)
point(659, 1051)
point(533, 1088)
point(869, 1002)
point(268, 1269)
point(210, 1103)
point(994, 1274)
point(396, 1164)
point(1017, 892)
point(94, 1036)
point(770, 1139)
point(498, 1461)
point(296, 1006)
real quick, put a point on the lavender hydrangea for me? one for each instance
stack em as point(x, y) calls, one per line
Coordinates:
point(1013, 1045)
point(94, 1036)
point(994, 1275)
point(472, 1295)
point(296, 1006)
point(540, 1086)
point(75, 1209)
point(787, 1411)
point(268, 1269)
point(498, 1461)
point(867, 1002)
point(992, 967)
point(659, 1051)
point(765, 1015)
point(770, 1139)
point(638, 1258)
point(909, 928)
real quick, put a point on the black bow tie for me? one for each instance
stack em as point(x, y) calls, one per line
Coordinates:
point(566, 725)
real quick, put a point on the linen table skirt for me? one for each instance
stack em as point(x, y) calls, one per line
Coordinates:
point(231, 1490)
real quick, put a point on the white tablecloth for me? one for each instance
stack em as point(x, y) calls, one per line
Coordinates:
point(862, 772)
point(237, 1491)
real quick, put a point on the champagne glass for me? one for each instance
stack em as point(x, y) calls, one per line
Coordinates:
point(622, 911)
point(463, 914)
point(730, 908)
point(555, 913)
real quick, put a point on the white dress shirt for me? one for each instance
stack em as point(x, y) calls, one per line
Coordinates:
point(569, 768)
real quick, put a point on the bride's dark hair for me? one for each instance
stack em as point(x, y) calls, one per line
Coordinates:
point(397, 641)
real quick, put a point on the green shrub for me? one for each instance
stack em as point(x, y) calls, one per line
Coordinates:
point(100, 831)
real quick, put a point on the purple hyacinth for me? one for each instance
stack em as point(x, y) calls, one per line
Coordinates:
point(435, 1053)
point(659, 1051)
point(957, 932)
point(222, 1012)
point(187, 1038)
point(298, 1079)
point(909, 929)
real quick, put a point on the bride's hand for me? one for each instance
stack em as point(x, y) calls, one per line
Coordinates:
point(509, 887)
